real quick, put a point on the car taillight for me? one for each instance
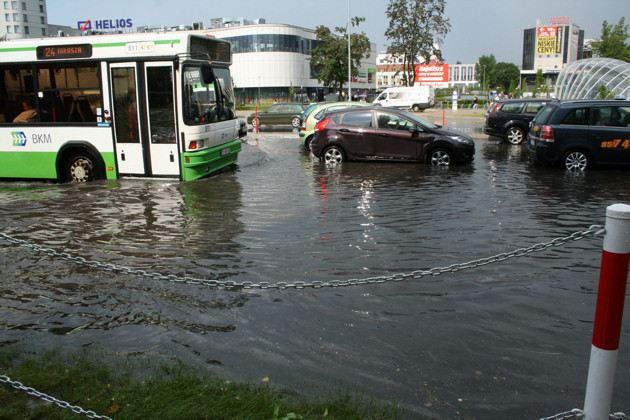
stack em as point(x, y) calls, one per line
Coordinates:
point(304, 123)
point(546, 133)
point(322, 124)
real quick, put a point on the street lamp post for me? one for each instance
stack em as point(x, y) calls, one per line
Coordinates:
point(349, 57)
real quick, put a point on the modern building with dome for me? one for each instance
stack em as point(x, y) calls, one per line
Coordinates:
point(582, 79)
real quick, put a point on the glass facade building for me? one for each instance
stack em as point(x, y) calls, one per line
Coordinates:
point(583, 79)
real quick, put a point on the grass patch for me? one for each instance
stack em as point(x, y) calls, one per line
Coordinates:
point(176, 392)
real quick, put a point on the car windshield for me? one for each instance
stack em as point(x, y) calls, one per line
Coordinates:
point(544, 114)
point(419, 120)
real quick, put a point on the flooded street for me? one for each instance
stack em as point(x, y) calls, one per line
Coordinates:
point(507, 340)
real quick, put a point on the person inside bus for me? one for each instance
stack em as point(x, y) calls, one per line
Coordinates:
point(28, 115)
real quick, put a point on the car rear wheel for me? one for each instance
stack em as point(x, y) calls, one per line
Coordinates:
point(295, 122)
point(416, 108)
point(333, 155)
point(255, 122)
point(307, 142)
point(515, 135)
point(576, 160)
point(440, 157)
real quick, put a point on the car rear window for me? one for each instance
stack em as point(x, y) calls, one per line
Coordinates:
point(543, 115)
point(512, 107)
point(534, 107)
point(357, 119)
point(321, 112)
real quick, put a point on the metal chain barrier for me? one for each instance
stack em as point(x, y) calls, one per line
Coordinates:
point(230, 284)
point(30, 391)
point(576, 413)
point(521, 252)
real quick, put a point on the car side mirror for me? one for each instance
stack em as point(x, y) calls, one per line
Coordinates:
point(414, 131)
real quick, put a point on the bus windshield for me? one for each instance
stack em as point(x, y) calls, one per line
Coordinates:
point(207, 103)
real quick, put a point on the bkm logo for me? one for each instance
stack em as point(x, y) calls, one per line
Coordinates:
point(19, 138)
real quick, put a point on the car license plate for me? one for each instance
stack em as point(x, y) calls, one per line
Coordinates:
point(225, 151)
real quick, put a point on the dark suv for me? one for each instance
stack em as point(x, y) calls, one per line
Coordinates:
point(580, 134)
point(509, 119)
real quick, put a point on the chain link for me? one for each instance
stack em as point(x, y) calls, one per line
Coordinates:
point(231, 284)
point(62, 404)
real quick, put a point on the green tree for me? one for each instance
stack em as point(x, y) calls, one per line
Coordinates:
point(604, 93)
point(415, 28)
point(540, 80)
point(503, 74)
point(330, 57)
point(612, 43)
point(483, 70)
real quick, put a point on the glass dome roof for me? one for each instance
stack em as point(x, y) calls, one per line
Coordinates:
point(582, 79)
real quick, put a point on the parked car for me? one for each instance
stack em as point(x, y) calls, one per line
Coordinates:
point(379, 133)
point(509, 119)
point(279, 114)
point(581, 134)
point(312, 117)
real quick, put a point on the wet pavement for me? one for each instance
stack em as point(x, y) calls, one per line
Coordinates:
point(507, 340)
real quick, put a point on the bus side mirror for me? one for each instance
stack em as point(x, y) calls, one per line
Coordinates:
point(207, 75)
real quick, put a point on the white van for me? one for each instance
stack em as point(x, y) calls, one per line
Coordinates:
point(417, 98)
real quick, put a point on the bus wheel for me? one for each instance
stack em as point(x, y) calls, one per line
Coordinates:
point(81, 168)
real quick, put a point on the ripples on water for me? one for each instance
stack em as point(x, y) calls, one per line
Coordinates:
point(509, 340)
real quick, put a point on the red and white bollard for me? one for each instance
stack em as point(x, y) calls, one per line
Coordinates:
point(609, 313)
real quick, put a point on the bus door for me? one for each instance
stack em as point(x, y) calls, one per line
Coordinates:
point(160, 106)
point(130, 156)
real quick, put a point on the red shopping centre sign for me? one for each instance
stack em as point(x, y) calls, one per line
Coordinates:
point(432, 74)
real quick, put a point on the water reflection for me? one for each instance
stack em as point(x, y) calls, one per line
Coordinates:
point(506, 336)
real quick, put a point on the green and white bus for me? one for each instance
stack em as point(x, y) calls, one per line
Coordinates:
point(110, 106)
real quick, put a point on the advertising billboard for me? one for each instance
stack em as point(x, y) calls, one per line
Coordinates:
point(435, 75)
point(549, 40)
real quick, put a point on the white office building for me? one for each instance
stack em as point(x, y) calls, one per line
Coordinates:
point(272, 60)
point(23, 19)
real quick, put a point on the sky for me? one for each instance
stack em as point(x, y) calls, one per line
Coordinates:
point(478, 27)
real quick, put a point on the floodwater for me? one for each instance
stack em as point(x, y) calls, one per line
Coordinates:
point(507, 340)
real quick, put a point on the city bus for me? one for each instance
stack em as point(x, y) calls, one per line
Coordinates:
point(156, 105)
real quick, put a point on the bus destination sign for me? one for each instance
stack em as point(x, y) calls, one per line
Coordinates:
point(64, 51)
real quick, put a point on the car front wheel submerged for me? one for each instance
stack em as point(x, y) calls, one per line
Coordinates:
point(575, 161)
point(440, 157)
point(515, 135)
point(333, 155)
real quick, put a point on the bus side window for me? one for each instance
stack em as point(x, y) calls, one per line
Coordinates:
point(71, 92)
point(16, 87)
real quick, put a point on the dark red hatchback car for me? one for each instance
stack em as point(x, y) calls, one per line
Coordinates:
point(385, 134)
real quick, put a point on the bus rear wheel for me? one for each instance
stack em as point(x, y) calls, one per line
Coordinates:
point(81, 168)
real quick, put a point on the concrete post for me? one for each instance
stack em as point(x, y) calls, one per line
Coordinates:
point(609, 313)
